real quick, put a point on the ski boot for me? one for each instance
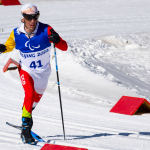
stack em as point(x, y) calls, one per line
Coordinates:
point(26, 131)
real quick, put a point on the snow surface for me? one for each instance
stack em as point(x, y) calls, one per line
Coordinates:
point(108, 57)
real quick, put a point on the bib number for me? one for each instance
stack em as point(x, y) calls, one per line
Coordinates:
point(36, 64)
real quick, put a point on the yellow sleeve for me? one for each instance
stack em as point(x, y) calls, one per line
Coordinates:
point(10, 43)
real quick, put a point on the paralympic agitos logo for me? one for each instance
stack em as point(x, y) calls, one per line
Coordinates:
point(27, 44)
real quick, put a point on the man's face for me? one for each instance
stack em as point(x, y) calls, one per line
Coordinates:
point(30, 22)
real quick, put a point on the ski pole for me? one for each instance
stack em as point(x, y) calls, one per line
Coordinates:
point(59, 91)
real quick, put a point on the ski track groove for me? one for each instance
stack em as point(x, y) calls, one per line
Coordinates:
point(79, 126)
point(10, 138)
point(5, 136)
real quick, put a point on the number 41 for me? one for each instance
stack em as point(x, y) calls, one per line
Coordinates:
point(36, 64)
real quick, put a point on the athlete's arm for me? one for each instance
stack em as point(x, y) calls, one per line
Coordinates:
point(10, 43)
point(62, 44)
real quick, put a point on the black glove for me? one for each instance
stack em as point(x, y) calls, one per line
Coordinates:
point(54, 37)
point(2, 48)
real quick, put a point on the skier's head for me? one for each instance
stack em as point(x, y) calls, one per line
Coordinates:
point(29, 16)
point(29, 9)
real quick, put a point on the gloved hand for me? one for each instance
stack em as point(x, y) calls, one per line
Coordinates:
point(54, 37)
point(2, 48)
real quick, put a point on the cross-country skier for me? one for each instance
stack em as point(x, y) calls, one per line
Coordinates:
point(33, 40)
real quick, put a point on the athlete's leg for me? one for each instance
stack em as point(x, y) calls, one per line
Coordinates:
point(40, 85)
point(27, 122)
point(28, 85)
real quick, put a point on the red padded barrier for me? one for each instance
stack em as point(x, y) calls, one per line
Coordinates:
point(10, 61)
point(60, 147)
point(131, 105)
point(10, 2)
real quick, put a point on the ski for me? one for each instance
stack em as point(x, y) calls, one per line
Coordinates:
point(12, 125)
point(34, 135)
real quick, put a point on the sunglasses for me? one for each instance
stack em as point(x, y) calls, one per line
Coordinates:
point(30, 17)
